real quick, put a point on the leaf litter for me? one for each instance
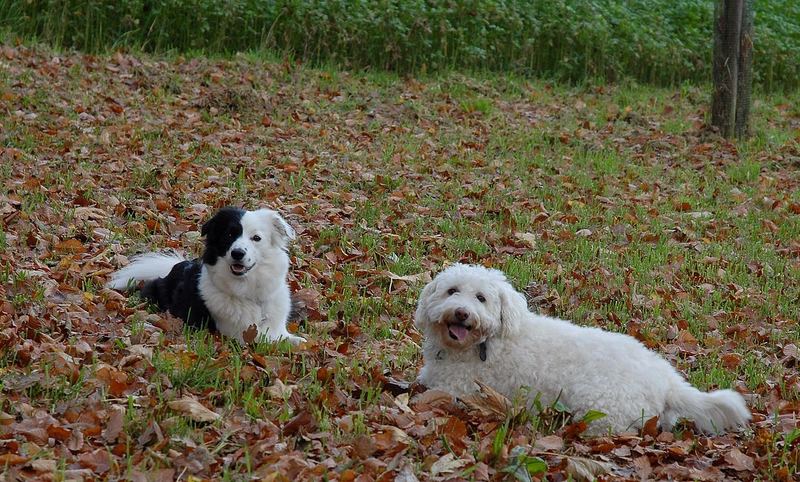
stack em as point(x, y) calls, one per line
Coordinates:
point(611, 209)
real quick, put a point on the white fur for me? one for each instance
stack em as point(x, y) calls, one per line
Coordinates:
point(144, 268)
point(259, 297)
point(582, 367)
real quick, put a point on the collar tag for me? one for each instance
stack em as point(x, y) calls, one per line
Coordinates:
point(482, 351)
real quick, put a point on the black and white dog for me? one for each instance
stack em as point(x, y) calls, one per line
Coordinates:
point(239, 282)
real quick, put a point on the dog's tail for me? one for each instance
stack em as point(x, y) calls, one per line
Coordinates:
point(712, 412)
point(144, 267)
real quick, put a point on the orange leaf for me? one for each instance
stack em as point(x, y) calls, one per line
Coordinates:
point(731, 360)
point(651, 427)
point(58, 433)
point(70, 246)
point(12, 459)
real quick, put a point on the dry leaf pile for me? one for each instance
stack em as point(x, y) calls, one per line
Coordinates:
point(612, 206)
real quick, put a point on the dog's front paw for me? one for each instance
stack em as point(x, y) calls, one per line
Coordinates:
point(294, 339)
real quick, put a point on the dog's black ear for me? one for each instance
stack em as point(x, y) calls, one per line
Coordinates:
point(218, 218)
point(207, 226)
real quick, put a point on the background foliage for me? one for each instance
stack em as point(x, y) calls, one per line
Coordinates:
point(659, 41)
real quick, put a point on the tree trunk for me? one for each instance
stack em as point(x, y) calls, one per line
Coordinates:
point(745, 83)
point(733, 55)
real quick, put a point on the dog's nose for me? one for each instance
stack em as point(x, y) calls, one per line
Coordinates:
point(461, 315)
point(237, 254)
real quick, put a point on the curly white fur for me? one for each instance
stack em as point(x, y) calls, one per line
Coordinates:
point(582, 367)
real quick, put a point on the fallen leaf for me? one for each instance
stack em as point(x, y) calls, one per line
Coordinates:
point(446, 465)
point(279, 391)
point(398, 434)
point(528, 238)
point(12, 459)
point(43, 465)
point(550, 443)
point(581, 468)
point(193, 409)
point(740, 462)
point(116, 418)
point(423, 277)
point(651, 427)
point(250, 334)
point(489, 403)
point(70, 246)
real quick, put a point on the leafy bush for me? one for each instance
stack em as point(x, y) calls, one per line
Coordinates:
point(660, 41)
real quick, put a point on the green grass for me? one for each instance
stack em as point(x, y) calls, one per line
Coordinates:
point(665, 42)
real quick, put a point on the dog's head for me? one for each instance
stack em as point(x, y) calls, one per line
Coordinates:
point(242, 239)
point(468, 304)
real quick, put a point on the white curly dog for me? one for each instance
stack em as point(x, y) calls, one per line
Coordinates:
point(476, 326)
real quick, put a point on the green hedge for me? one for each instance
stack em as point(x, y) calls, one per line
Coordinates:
point(659, 41)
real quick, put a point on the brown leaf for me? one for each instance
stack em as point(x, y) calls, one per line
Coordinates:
point(302, 422)
point(44, 465)
point(99, 461)
point(682, 206)
point(397, 434)
point(642, 466)
point(70, 246)
point(574, 430)
point(456, 432)
point(431, 399)
point(581, 468)
point(75, 442)
point(115, 379)
point(489, 403)
point(739, 461)
point(193, 409)
point(58, 432)
point(731, 360)
point(550, 443)
point(249, 335)
point(363, 446)
point(113, 427)
point(651, 427)
point(12, 459)
point(447, 464)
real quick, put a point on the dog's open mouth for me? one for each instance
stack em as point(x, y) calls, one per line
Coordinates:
point(457, 331)
point(239, 269)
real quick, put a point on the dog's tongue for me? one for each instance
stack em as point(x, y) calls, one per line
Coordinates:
point(459, 331)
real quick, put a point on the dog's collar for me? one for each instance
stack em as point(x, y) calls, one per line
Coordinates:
point(481, 352)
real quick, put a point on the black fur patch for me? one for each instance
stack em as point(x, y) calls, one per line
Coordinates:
point(221, 231)
point(178, 294)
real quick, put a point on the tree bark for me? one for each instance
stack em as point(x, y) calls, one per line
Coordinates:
point(733, 75)
point(745, 83)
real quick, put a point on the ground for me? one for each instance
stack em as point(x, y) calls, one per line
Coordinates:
point(610, 205)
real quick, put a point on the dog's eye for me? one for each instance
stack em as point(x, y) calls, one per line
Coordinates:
point(452, 291)
point(256, 238)
point(481, 298)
